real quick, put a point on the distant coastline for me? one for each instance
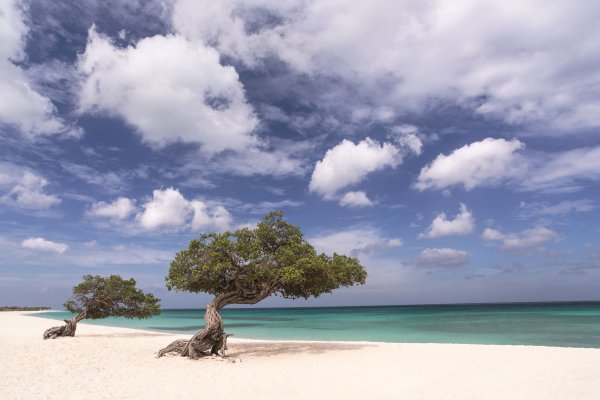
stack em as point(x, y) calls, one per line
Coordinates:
point(18, 308)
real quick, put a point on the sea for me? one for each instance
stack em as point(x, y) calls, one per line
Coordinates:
point(562, 324)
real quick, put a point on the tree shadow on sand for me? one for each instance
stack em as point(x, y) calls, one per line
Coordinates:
point(124, 335)
point(257, 349)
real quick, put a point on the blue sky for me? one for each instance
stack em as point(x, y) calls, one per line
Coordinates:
point(452, 147)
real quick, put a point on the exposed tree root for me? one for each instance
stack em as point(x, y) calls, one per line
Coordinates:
point(210, 340)
point(175, 347)
point(67, 330)
point(61, 331)
point(200, 345)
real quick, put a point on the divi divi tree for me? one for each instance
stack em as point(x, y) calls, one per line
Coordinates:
point(100, 297)
point(246, 267)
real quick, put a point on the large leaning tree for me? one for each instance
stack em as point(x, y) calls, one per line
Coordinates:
point(247, 266)
point(101, 297)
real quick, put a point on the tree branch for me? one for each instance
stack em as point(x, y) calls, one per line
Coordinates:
point(267, 290)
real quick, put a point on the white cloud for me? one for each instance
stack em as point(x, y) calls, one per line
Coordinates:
point(278, 158)
point(109, 181)
point(462, 224)
point(170, 89)
point(502, 59)
point(354, 242)
point(284, 160)
point(405, 129)
point(441, 258)
point(168, 208)
point(265, 207)
point(20, 105)
point(41, 244)
point(83, 254)
point(493, 161)
point(406, 136)
point(24, 189)
point(348, 163)
point(483, 163)
point(217, 217)
point(563, 171)
point(562, 208)
point(412, 142)
point(355, 199)
point(120, 209)
point(527, 238)
point(364, 115)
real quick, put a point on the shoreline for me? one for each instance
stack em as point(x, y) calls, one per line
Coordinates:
point(103, 362)
point(234, 339)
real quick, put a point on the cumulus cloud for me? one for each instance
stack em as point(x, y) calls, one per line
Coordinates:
point(412, 142)
point(441, 258)
point(348, 163)
point(502, 60)
point(355, 199)
point(494, 161)
point(20, 104)
point(462, 224)
point(119, 209)
point(204, 216)
point(170, 89)
point(354, 242)
point(24, 189)
point(407, 136)
point(527, 238)
point(41, 244)
point(482, 163)
point(167, 209)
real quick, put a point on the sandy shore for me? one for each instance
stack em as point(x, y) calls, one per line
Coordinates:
point(117, 363)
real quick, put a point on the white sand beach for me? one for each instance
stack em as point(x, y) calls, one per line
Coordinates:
point(116, 363)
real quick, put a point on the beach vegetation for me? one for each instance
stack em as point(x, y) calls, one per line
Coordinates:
point(100, 297)
point(247, 266)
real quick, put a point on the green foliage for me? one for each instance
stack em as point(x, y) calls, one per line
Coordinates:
point(271, 257)
point(111, 296)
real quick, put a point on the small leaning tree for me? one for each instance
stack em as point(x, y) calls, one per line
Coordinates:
point(246, 267)
point(101, 297)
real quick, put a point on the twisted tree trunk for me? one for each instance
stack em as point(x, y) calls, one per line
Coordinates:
point(212, 338)
point(67, 330)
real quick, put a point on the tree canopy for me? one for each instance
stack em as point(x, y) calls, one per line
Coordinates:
point(111, 296)
point(247, 266)
point(251, 264)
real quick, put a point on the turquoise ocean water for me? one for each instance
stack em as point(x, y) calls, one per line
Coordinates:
point(544, 324)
